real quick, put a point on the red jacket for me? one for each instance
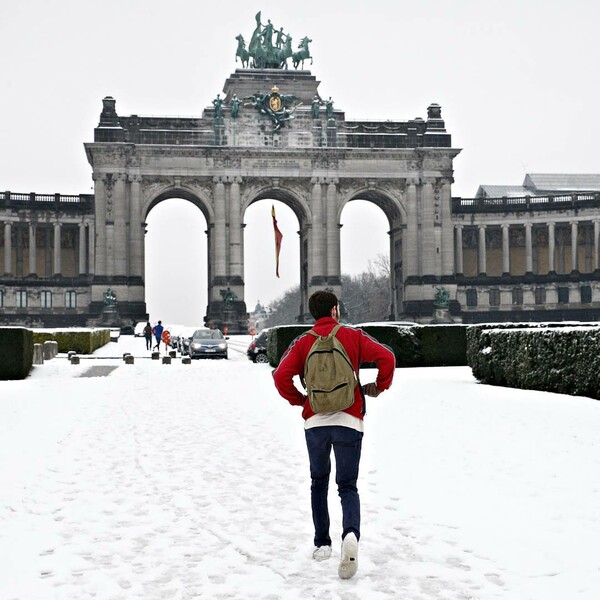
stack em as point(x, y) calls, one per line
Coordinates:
point(361, 348)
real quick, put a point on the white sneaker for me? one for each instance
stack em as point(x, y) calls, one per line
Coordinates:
point(322, 552)
point(349, 561)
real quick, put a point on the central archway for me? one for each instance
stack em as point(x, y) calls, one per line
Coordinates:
point(176, 263)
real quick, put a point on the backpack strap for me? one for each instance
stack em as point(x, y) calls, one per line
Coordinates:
point(329, 335)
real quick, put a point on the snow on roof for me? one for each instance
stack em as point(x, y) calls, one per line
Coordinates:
point(559, 182)
point(499, 191)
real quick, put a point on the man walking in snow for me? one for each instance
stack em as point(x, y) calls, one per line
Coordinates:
point(341, 430)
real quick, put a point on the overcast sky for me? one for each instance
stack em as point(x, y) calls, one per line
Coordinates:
point(518, 82)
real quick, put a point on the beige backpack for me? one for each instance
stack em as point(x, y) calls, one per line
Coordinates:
point(328, 374)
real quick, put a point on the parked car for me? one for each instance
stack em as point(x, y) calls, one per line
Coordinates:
point(181, 340)
point(208, 343)
point(257, 350)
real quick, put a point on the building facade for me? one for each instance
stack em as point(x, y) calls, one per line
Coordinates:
point(517, 256)
point(529, 252)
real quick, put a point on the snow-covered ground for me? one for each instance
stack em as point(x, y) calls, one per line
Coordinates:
point(191, 481)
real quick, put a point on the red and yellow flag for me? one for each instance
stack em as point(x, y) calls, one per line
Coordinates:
point(278, 238)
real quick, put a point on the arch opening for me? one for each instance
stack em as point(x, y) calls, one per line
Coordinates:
point(176, 262)
point(371, 258)
point(261, 282)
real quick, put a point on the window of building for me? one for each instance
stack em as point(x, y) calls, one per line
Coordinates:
point(46, 299)
point(539, 295)
point(71, 299)
point(495, 297)
point(21, 298)
point(1, 298)
point(472, 297)
point(586, 294)
point(517, 296)
point(563, 295)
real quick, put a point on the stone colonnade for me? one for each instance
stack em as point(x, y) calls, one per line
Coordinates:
point(22, 239)
point(560, 244)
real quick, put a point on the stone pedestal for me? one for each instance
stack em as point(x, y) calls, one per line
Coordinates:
point(110, 317)
point(441, 315)
point(247, 82)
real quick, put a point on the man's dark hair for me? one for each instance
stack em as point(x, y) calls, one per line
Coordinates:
point(321, 303)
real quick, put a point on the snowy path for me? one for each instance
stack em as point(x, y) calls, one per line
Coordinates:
point(174, 481)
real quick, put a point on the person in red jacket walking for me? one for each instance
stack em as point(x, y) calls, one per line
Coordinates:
point(342, 430)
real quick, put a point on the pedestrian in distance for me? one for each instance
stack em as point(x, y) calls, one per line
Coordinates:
point(148, 335)
point(325, 429)
point(157, 331)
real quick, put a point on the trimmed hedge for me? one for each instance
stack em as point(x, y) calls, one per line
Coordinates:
point(442, 345)
point(82, 341)
point(402, 340)
point(280, 338)
point(419, 346)
point(16, 352)
point(565, 360)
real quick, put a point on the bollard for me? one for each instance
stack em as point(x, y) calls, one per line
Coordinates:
point(172, 353)
point(128, 358)
point(155, 355)
point(54, 349)
point(48, 350)
point(126, 354)
point(74, 360)
point(38, 354)
point(71, 353)
point(166, 360)
point(186, 360)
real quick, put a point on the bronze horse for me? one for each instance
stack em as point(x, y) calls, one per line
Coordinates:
point(242, 52)
point(303, 53)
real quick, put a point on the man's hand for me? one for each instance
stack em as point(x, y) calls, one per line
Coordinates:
point(370, 389)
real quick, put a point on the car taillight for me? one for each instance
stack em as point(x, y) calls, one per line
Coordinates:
point(252, 346)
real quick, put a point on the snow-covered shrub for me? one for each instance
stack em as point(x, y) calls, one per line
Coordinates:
point(417, 346)
point(82, 341)
point(402, 341)
point(562, 359)
point(442, 345)
point(16, 350)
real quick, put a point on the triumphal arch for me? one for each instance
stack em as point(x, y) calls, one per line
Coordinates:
point(271, 135)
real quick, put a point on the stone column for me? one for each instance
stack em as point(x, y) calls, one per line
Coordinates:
point(235, 231)
point(551, 245)
point(333, 236)
point(32, 250)
point(120, 248)
point(100, 224)
point(528, 249)
point(411, 248)
point(481, 252)
point(447, 249)
point(7, 248)
point(317, 268)
point(427, 246)
point(220, 270)
point(136, 228)
point(505, 249)
point(82, 249)
point(596, 252)
point(574, 235)
point(91, 247)
point(459, 249)
point(56, 263)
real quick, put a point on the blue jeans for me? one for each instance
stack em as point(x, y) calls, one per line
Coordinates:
point(346, 445)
